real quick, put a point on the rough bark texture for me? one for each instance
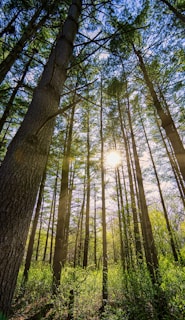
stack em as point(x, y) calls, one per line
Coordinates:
point(23, 166)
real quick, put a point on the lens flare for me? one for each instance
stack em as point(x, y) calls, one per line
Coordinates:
point(112, 159)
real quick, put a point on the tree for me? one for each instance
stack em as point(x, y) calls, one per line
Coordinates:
point(166, 120)
point(104, 224)
point(23, 166)
point(31, 29)
point(178, 14)
point(61, 240)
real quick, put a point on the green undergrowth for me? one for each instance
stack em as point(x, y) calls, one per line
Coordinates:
point(131, 294)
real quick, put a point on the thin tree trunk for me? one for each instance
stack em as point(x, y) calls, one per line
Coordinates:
point(138, 246)
point(48, 229)
point(104, 225)
point(10, 27)
point(80, 246)
point(166, 119)
point(53, 215)
point(61, 242)
point(175, 250)
point(125, 226)
point(149, 244)
point(30, 30)
point(39, 235)
point(86, 242)
point(15, 90)
point(115, 259)
point(33, 230)
point(122, 251)
point(95, 232)
point(175, 169)
point(23, 166)
point(174, 10)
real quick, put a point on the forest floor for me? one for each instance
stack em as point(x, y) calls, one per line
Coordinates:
point(131, 295)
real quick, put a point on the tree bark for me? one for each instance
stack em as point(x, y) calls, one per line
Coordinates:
point(166, 119)
point(33, 230)
point(23, 166)
point(104, 224)
point(86, 242)
point(61, 241)
point(175, 250)
point(149, 244)
point(133, 202)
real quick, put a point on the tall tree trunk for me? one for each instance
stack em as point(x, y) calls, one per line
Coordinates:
point(166, 119)
point(53, 215)
point(104, 224)
point(149, 244)
point(125, 226)
point(23, 166)
point(80, 245)
point(174, 10)
point(33, 230)
point(39, 235)
point(175, 169)
point(61, 241)
point(86, 242)
point(132, 194)
point(175, 250)
point(95, 232)
point(15, 90)
point(48, 231)
point(122, 251)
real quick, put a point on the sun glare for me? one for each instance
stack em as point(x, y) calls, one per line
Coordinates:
point(112, 158)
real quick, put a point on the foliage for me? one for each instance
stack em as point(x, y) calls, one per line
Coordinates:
point(131, 293)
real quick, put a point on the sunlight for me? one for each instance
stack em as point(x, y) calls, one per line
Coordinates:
point(112, 159)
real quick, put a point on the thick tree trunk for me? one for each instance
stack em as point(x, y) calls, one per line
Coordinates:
point(166, 119)
point(23, 166)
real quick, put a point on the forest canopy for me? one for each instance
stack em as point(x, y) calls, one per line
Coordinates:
point(92, 176)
